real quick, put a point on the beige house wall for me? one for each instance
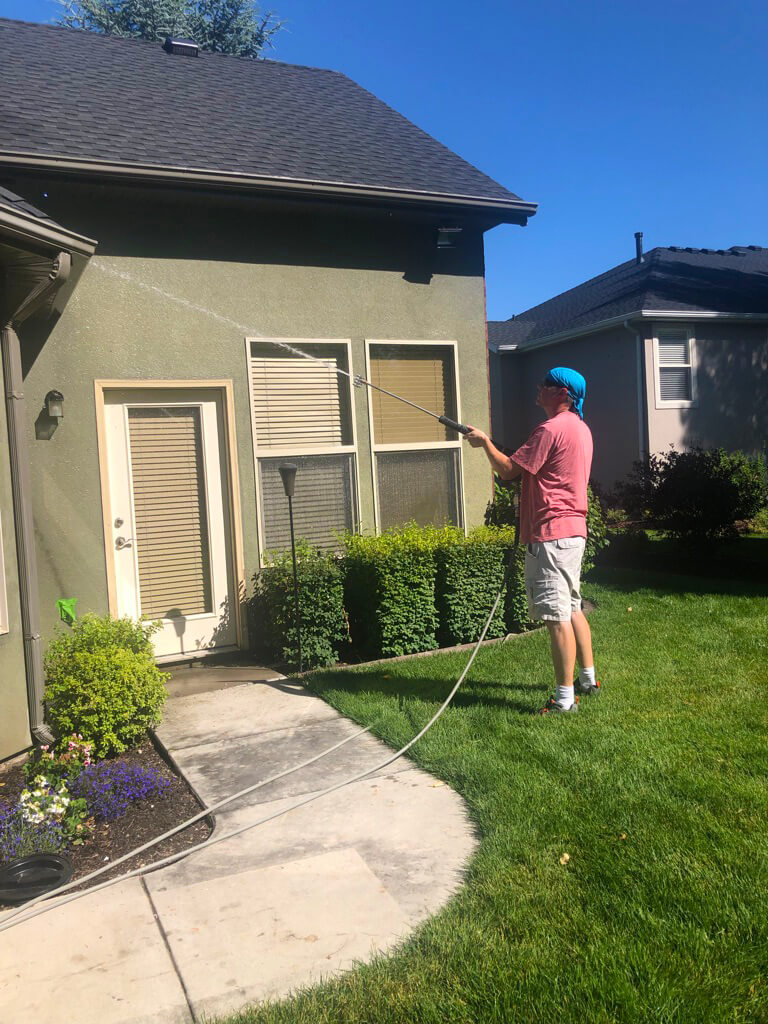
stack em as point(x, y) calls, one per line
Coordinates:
point(293, 274)
point(14, 718)
point(731, 385)
point(613, 407)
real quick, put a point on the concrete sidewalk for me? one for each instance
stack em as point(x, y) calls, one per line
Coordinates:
point(283, 905)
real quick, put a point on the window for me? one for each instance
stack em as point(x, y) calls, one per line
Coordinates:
point(417, 461)
point(4, 626)
point(302, 413)
point(675, 367)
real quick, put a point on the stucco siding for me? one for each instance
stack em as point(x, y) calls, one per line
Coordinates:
point(609, 363)
point(295, 274)
point(14, 719)
point(731, 383)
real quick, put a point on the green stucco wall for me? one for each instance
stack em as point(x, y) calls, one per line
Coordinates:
point(14, 719)
point(295, 273)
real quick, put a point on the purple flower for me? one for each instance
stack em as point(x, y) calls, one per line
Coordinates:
point(109, 787)
point(19, 838)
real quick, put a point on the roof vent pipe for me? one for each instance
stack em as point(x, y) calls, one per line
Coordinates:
point(187, 47)
point(638, 247)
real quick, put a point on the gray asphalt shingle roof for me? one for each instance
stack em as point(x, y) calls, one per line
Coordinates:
point(731, 280)
point(92, 97)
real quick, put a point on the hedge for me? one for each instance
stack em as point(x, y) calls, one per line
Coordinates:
point(470, 571)
point(389, 590)
point(324, 628)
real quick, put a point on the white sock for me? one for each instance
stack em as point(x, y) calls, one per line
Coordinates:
point(587, 675)
point(564, 696)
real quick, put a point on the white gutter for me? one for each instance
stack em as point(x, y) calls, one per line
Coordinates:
point(616, 321)
point(297, 186)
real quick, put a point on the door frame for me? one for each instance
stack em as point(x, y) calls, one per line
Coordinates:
point(226, 390)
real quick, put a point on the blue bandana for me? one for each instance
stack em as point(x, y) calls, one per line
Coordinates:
point(575, 384)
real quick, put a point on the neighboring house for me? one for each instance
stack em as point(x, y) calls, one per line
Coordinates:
point(674, 347)
point(228, 203)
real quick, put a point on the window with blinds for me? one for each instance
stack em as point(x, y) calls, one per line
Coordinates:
point(675, 368)
point(297, 402)
point(323, 501)
point(170, 511)
point(424, 375)
point(418, 486)
point(417, 460)
point(302, 411)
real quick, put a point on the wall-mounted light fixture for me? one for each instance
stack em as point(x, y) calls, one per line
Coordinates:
point(54, 405)
point(447, 237)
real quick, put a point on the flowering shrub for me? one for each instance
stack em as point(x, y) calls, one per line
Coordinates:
point(51, 801)
point(63, 767)
point(107, 788)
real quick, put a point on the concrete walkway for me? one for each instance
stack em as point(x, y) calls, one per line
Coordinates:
point(283, 905)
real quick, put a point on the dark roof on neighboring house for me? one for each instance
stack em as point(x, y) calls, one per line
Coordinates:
point(88, 97)
point(670, 279)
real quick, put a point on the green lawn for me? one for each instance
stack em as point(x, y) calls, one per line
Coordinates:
point(658, 791)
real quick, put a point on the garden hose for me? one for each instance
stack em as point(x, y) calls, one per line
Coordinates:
point(32, 909)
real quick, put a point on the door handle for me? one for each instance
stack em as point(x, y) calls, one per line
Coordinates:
point(121, 543)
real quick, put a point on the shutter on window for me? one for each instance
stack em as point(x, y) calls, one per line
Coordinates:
point(322, 503)
point(296, 402)
point(423, 375)
point(170, 511)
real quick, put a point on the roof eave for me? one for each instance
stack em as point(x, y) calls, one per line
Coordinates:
point(640, 314)
point(26, 229)
point(511, 211)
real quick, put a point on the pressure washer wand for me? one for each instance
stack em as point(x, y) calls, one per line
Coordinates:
point(358, 380)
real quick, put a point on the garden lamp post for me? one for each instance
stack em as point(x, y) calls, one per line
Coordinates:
point(288, 475)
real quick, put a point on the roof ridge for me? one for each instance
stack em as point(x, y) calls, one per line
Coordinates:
point(590, 281)
point(158, 42)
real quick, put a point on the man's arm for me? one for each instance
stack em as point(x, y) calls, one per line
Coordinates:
point(502, 464)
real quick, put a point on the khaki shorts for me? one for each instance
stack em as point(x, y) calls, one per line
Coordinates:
point(553, 578)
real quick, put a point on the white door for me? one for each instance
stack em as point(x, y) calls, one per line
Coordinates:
point(170, 526)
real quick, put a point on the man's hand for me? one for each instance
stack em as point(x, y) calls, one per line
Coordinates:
point(476, 437)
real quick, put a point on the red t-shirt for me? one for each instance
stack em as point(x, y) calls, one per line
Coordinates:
point(556, 459)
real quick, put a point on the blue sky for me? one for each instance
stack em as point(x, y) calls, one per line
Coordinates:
point(616, 117)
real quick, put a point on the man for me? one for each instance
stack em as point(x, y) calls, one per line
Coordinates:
point(555, 463)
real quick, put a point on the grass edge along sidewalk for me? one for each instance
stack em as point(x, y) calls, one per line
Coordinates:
point(620, 871)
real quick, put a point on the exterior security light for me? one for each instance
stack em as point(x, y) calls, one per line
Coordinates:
point(54, 405)
point(288, 474)
point(447, 237)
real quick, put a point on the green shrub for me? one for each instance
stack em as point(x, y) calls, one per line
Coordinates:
point(470, 571)
point(102, 683)
point(696, 494)
point(390, 590)
point(324, 628)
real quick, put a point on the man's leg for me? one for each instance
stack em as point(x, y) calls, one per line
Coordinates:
point(562, 642)
point(583, 636)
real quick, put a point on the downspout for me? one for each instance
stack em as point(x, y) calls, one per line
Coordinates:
point(22, 491)
point(642, 433)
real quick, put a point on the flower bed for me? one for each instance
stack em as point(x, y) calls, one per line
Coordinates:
point(94, 812)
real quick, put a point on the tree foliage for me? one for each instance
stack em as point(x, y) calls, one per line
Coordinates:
point(236, 27)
